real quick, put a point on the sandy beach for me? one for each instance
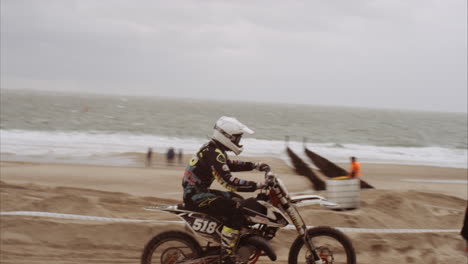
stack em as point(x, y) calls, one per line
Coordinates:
point(104, 103)
point(122, 192)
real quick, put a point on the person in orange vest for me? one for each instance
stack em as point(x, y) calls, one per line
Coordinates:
point(355, 170)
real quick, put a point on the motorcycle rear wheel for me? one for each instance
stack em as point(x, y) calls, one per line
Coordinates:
point(331, 245)
point(170, 247)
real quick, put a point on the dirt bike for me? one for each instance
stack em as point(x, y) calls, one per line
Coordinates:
point(264, 216)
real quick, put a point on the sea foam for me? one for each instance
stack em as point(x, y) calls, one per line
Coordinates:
point(80, 145)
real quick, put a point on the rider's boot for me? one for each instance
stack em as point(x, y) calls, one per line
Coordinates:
point(229, 239)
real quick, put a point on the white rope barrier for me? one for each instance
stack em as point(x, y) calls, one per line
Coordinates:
point(82, 217)
point(109, 219)
point(387, 231)
point(436, 181)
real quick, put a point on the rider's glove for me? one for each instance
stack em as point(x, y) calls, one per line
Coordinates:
point(261, 185)
point(261, 166)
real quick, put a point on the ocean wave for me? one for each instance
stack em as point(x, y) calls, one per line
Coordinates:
point(84, 145)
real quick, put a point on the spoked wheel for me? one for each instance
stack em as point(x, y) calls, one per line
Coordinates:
point(331, 245)
point(170, 248)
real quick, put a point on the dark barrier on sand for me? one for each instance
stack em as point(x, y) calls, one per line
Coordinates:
point(303, 169)
point(330, 169)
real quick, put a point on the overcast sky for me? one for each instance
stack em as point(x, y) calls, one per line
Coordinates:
point(409, 54)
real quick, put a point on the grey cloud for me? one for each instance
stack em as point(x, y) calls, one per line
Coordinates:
point(357, 53)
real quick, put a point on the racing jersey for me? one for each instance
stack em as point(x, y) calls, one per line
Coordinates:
point(210, 163)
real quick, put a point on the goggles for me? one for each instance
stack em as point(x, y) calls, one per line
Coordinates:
point(235, 138)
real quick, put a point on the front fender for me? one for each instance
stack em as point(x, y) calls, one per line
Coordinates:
point(303, 200)
point(260, 243)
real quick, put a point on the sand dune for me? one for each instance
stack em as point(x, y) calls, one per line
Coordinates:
point(123, 192)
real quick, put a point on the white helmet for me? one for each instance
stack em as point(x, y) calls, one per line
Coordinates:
point(228, 131)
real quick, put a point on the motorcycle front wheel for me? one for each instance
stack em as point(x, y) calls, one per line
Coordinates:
point(170, 247)
point(331, 245)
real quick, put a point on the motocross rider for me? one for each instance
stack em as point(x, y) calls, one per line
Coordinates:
point(211, 162)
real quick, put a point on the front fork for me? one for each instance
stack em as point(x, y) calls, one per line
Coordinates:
point(301, 228)
point(314, 258)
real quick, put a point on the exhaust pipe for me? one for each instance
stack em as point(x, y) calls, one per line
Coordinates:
point(260, 243)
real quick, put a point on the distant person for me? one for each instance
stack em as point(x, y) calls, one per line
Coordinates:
point(170, 155)
point(180, 155)
point(149, 156)
point(355, 169)
point(464, 231)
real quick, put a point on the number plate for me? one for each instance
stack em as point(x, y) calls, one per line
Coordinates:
point(201, 224)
